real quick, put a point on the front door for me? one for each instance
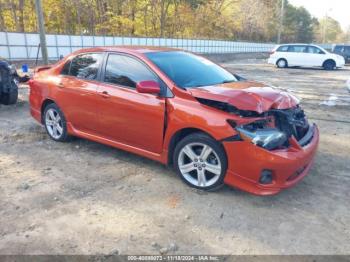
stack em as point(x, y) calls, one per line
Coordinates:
point(125, 115)
point(315, 56)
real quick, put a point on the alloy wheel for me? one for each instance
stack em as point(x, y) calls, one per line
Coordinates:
point(199, 164)
point(53, 123)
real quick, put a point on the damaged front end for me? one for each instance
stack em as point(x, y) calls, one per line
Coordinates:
point(272, 145)
point(278, 128)
point(270, 130)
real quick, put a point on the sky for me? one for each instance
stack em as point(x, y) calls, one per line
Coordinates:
point(337, 9)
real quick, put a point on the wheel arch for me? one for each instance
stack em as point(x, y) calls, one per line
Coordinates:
point(178, 136)
point(44, 104)
point(329, 60)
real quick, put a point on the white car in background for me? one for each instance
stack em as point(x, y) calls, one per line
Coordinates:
point(305, 55)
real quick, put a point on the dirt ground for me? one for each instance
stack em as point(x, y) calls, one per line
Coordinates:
point(86, 198)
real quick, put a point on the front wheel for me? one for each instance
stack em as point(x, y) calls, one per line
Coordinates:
point(200, 161)
point(329, 65)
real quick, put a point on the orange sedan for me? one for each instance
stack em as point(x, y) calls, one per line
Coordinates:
point(180, 109)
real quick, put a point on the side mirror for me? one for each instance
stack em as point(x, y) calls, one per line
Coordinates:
point(148, 87)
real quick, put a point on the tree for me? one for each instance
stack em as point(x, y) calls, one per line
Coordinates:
point(299, 25)
point(328, 30)
point(250, 20)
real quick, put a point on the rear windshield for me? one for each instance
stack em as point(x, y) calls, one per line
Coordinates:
point(342, 49)
point(189, 71)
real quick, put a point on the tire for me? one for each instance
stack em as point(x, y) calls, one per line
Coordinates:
point(205, 172)
point(282, 63)
point(55, 123)
point(329, 65)
point(10, 98)
point(8, 88)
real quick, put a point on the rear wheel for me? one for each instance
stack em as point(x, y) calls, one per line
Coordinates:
point(282, 63)
point(55, 123)
point(200, 161)
point(329, 65)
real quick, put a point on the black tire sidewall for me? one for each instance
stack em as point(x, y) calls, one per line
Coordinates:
point(329, 65)
point(282, 59)
point(216, 146)
point(64, 137)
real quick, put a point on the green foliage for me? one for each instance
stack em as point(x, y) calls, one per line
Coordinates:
point(251, 20)
point(299, 25)
point(328, 30)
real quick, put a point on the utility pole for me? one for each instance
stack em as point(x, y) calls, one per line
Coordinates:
point(325, 29)
point(40, 16)
point(325, 25)
point(280, 26)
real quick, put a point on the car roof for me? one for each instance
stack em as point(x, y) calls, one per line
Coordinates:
point(127, 49)
point(297, 44)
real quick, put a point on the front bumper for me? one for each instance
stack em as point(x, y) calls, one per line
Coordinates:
point(246, 162)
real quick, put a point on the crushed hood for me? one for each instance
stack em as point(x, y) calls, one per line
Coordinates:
point(247, 95)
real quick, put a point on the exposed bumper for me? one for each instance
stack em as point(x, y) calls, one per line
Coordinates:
point(289, 166)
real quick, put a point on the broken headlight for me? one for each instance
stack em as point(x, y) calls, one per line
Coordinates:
point(268, 138)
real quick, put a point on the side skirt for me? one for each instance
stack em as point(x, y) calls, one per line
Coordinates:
point(131, 149)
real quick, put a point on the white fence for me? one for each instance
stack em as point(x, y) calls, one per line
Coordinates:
point(24, 46)
point(20, 46)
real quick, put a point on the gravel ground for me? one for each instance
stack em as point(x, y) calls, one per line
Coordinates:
point(86, 198)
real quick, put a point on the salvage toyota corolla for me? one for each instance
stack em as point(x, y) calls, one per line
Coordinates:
point(180, 109)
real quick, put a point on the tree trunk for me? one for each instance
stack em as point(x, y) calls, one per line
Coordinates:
point(2, 20)
point(14, 15)
point(21, 15)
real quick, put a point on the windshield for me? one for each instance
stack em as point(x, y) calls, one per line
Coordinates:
point(189, 71)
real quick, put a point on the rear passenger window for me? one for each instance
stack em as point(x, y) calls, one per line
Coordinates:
point(126, 71)
point(297, 48)
point(86, 66)
point(283, 48)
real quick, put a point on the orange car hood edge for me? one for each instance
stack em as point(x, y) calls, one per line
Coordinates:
point(247, 95)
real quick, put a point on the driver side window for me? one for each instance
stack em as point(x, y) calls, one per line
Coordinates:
point(126, 71)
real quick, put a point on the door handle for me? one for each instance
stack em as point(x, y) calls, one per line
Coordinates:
point(60, 85)
point(105, 94)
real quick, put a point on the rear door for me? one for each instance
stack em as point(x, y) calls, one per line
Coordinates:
point(296, 55)
point(125, 115)
point(76, 92)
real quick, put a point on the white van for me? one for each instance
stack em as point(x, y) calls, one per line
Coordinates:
point(304, 55)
